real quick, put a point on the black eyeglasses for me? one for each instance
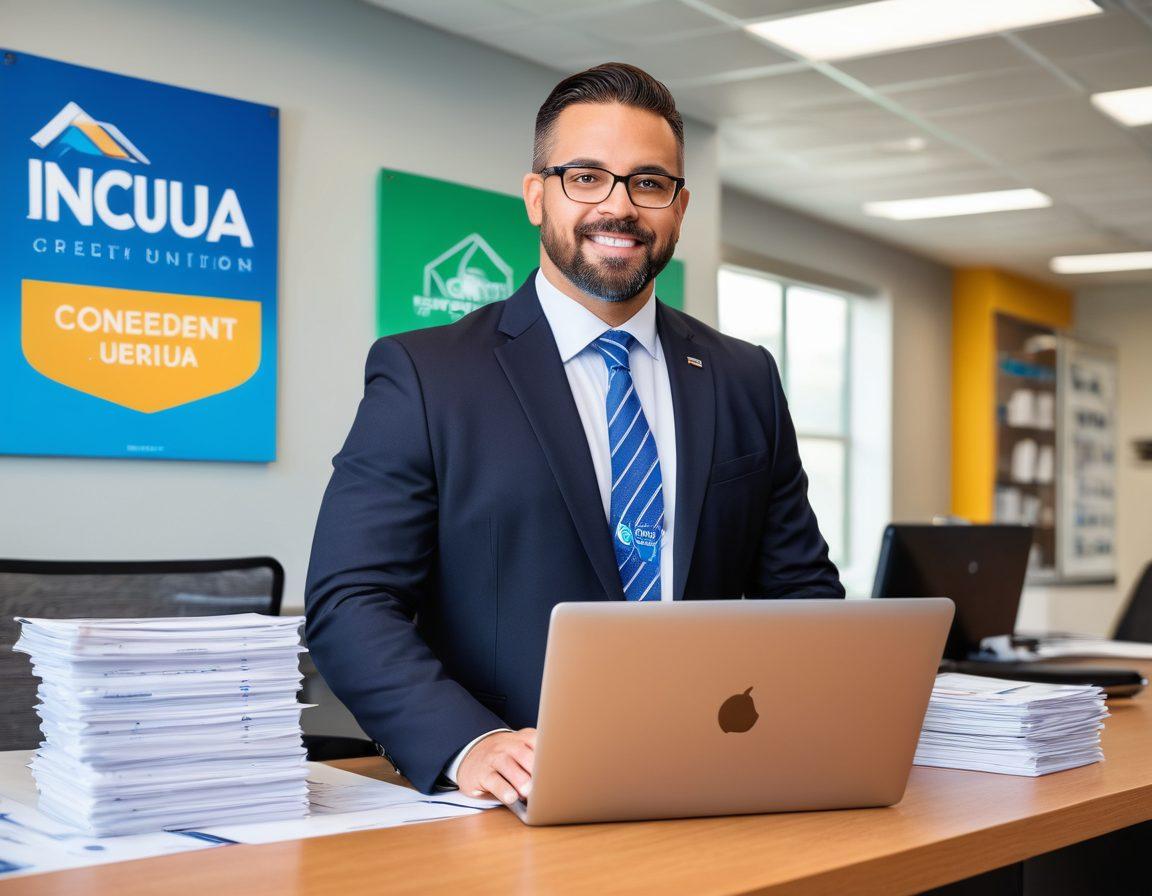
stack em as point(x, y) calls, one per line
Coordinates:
point(593, 185)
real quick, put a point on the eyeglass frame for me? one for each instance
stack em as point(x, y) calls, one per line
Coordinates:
point(616, 179)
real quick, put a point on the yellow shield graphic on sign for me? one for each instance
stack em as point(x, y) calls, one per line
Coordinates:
point(148, 351)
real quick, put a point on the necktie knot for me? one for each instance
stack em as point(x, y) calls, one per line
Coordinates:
point(613, 347)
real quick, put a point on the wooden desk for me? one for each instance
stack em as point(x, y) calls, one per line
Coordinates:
point(950, 825)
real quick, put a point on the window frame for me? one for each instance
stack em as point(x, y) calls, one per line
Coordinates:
point(844, 436)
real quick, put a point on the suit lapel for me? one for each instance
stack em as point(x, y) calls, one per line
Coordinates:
point(532, 364)
point(694, 403)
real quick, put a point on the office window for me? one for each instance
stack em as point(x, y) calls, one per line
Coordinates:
point(752, 308)
point(807, 331)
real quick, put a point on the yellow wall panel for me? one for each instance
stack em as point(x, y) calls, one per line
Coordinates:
point(978, 295)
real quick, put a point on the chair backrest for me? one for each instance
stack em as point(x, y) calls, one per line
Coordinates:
point(1136, 621)
point(114, 589)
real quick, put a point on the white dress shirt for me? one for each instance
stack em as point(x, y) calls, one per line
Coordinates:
point(575, 328)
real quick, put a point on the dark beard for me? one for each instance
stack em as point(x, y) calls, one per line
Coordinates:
point(608, 279)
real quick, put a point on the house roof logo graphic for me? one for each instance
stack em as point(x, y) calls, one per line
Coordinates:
point(74, 129)
point(462, 272)
point(464, 278)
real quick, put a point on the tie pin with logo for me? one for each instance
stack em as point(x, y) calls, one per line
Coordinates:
point(695, 362)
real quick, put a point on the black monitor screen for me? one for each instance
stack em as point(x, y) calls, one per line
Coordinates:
point(980, 567)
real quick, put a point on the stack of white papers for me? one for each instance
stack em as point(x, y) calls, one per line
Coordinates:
point(164, 724)
point(1011, 727)
point(33, 843)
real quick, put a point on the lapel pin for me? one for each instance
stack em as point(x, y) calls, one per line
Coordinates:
point(695, 362)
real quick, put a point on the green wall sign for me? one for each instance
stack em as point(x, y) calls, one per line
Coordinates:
point(446, 249)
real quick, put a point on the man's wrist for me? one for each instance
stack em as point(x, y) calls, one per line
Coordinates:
point(452, 770)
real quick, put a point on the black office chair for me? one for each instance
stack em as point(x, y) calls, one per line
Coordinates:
point(1136, 621)
point(111, 589)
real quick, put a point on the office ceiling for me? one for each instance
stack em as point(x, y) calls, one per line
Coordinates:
point(988, 113)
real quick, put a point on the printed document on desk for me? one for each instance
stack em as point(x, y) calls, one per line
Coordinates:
point(342, 801)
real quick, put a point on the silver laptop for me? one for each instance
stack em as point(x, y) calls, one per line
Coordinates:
point(672, 710)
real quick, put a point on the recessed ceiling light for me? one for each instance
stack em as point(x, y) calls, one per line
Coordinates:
point(962, 204)
point(1099, 264)
point(886, 25)
point(1132, 107)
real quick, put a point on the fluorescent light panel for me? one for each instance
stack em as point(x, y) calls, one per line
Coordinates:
point(1099, 264)
point(962, 204)
point(887, 25)
point(1132, 107)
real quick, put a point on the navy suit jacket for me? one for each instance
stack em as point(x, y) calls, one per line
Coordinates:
point(464, 506)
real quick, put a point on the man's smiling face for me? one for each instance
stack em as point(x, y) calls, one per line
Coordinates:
point(611, 250)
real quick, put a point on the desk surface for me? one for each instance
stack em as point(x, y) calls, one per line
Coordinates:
point(950, 825)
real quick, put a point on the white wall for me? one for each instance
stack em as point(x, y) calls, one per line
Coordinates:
point(358, 89)
point(1119, 316)
point(902, 356)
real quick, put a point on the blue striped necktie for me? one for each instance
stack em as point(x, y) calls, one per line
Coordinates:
point(637, 506)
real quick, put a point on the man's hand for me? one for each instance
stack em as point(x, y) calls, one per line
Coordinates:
point(500, 764)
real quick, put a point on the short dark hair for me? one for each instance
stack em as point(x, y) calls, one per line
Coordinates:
point(611, 82)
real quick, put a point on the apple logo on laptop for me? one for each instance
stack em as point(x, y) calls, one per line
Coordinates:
point(738, 713)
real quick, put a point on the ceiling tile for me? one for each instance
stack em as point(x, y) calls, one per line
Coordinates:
point(812, 185)
point(1118, 211)
point(1115, 278)
point(551, 7)
point(762, 9)
point(1030, 224)
point(705, 56)
point(985, 91)
point(864, 166)
point(1003, 237)
point(1085, 242)
point(549, 44)
point(1093, 176)
point(997, 250)
point(642, 23)
point(1035, 130)
point(1104, 181)
point(1082, 162)
point(1102, 184)
point(762, 97)
point(977, 179)
point(1109, 33)
point(963, 58)
point(802, 189)
point(1140, 234)
point(455, 16)
point(1111, 71)
point(835, 125)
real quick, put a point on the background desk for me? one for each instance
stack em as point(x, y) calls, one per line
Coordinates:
point(950, 825)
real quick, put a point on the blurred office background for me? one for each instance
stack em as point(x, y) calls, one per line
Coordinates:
point(884, 325)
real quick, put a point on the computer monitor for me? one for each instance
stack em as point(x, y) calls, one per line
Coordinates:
point(980, 567)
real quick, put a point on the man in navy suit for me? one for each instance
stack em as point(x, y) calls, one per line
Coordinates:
point(579, 441)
